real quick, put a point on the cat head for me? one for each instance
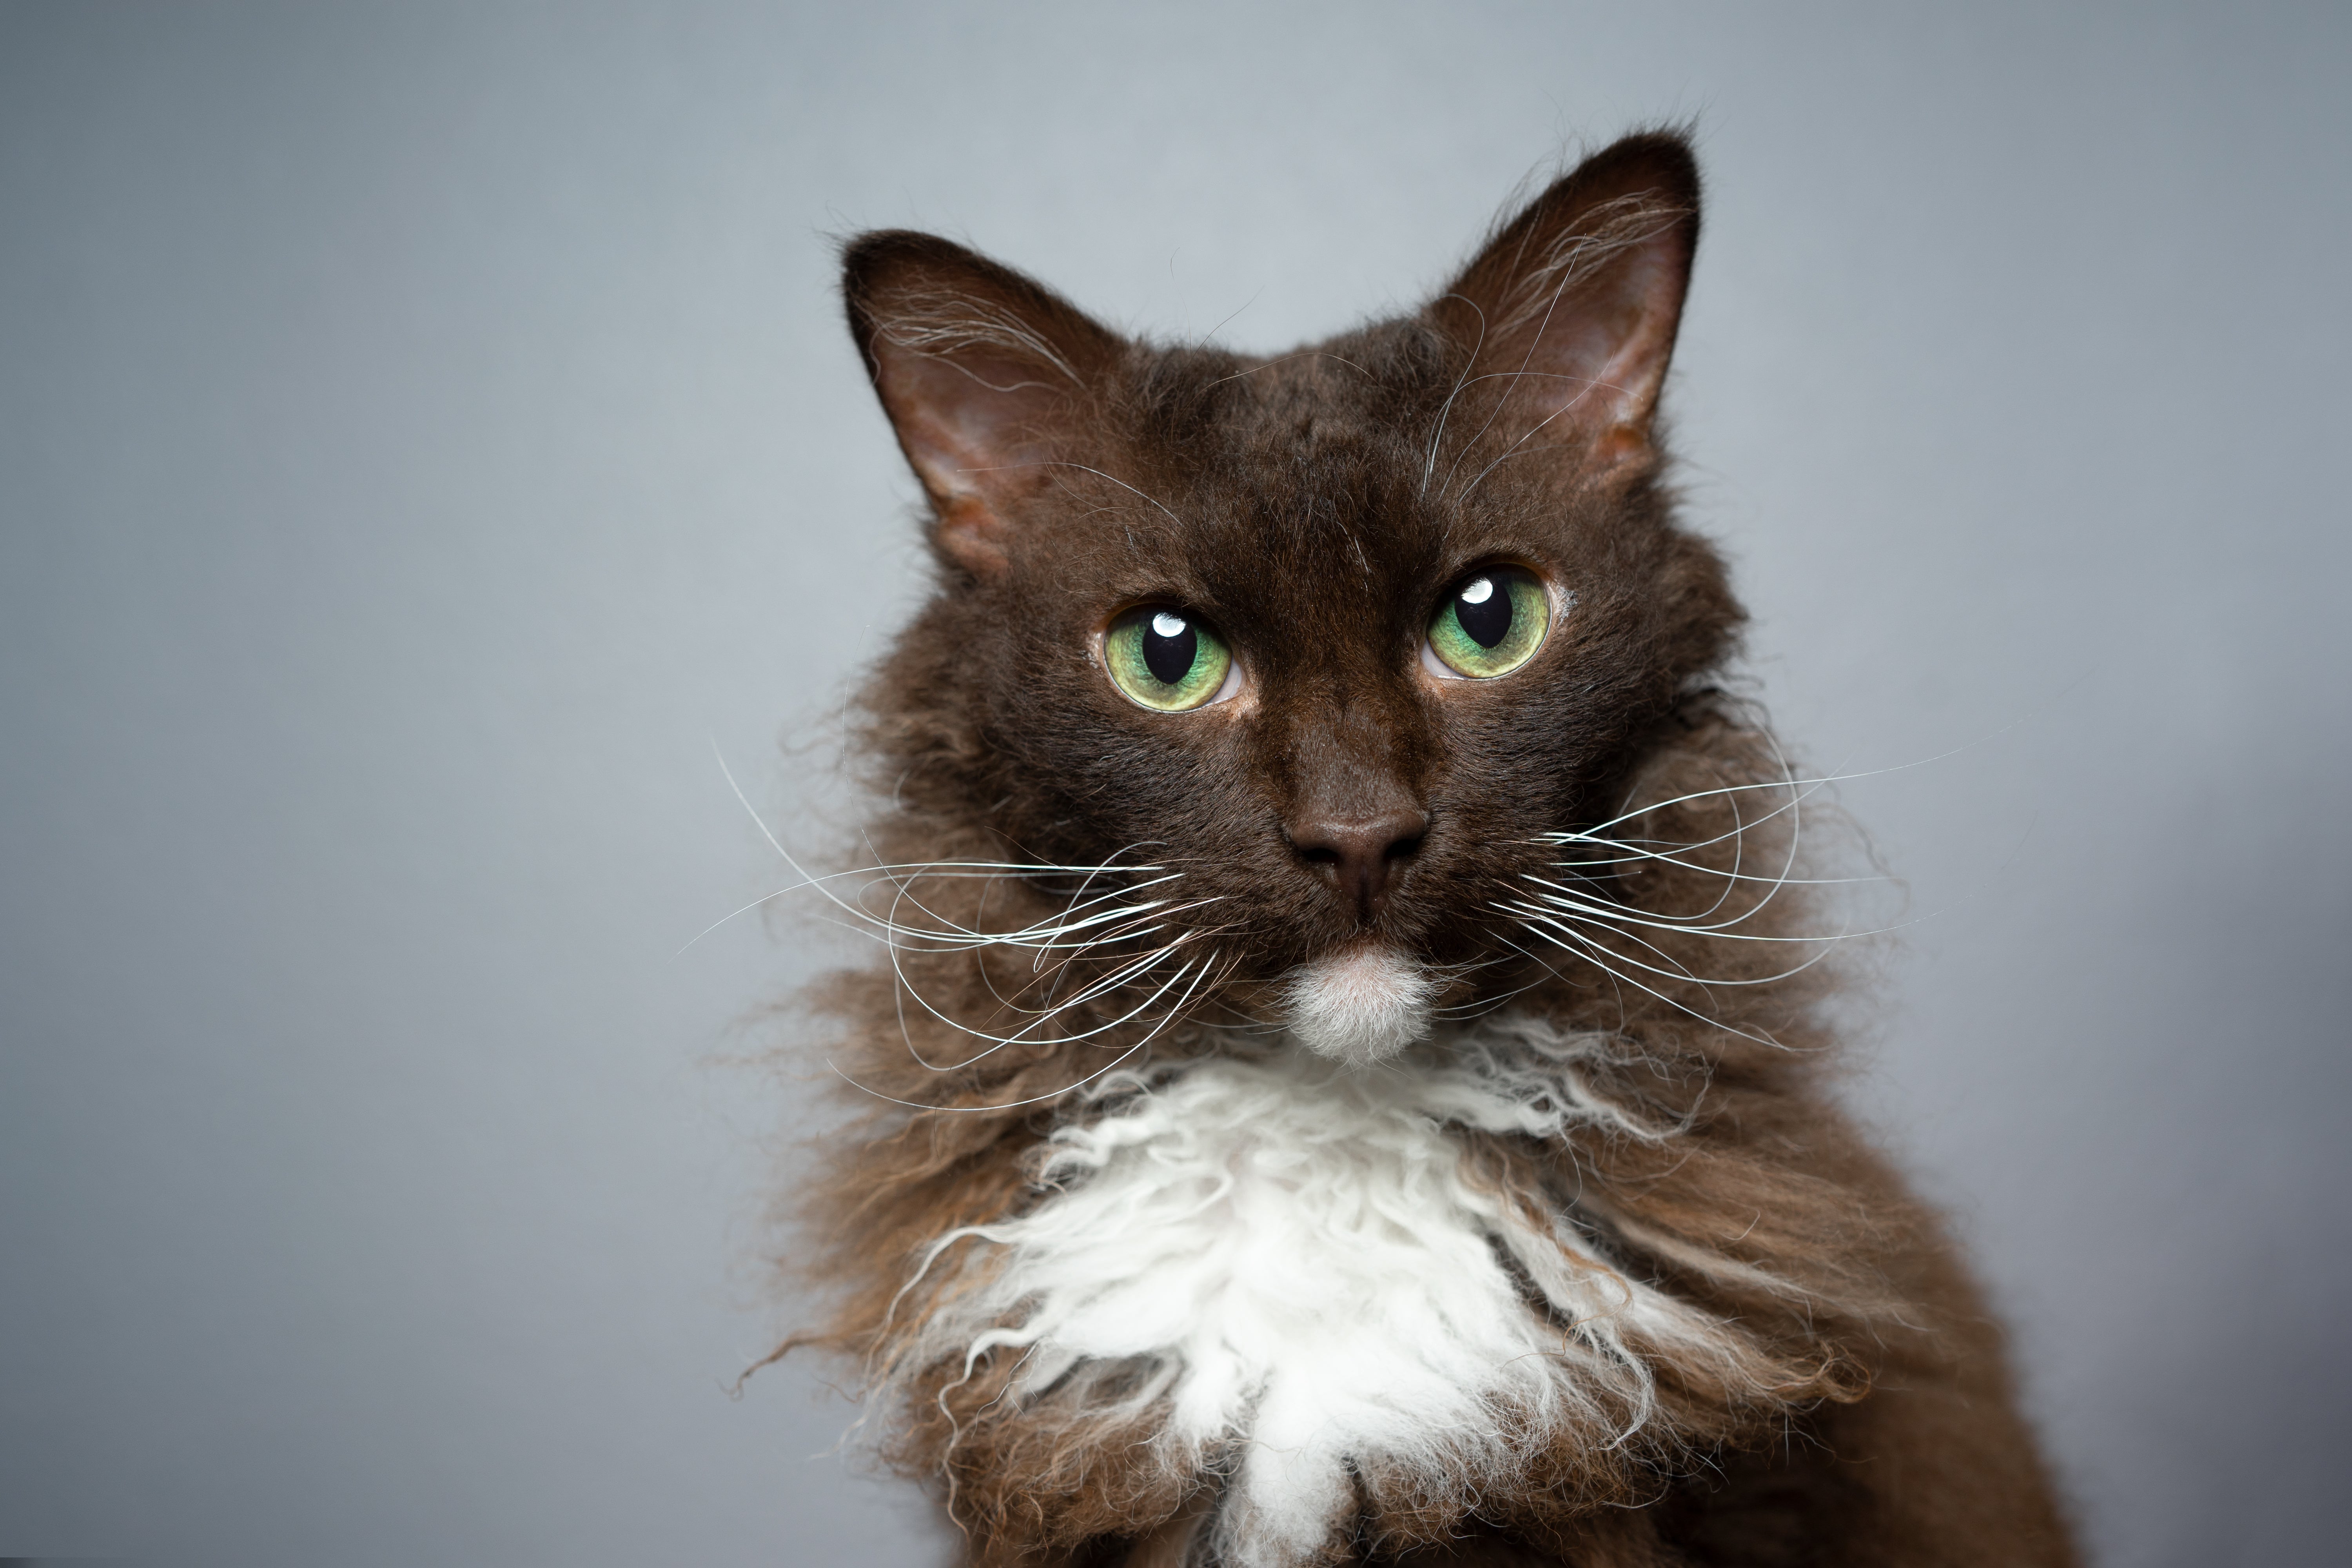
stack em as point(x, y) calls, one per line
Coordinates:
point(1334, 636)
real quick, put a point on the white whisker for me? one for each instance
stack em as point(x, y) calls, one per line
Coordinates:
point(1556, 919)
point(1022, 1035)
point(1590, 951)
point(1170, 1017)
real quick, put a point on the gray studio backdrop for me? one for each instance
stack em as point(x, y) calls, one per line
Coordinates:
point(425, 431)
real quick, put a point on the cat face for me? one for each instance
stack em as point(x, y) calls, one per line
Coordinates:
point(1337, 636)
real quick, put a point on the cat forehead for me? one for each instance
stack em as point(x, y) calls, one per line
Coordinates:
point(1359, 392)
point(1256, 485)
point(1277, 488)
point(1255, 520)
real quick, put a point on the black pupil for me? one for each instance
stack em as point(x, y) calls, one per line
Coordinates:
point(1488, 621)
point(1169, 658)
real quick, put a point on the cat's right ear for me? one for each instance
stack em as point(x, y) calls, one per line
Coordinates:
point(988, 377)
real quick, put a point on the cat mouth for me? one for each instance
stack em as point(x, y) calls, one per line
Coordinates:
point(1361, 1005)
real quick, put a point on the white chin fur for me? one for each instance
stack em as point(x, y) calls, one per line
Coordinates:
point(1360, 1007)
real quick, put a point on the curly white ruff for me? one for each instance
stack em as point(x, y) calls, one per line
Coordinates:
point(1286, 1263)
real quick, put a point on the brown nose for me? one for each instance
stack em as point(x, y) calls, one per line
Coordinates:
point(1361, 856)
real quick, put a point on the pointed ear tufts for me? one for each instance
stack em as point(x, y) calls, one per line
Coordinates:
point(1567, 317)
point(989, 379)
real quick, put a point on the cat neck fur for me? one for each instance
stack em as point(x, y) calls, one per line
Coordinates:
point(1293, 1271)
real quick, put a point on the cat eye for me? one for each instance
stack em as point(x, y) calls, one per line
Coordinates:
point(1168, 659)
point(1491, 622)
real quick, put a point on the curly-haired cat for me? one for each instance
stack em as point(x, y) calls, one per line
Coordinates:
point(1347, 1082)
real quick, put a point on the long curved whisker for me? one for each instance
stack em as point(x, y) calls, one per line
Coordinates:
point(1591, 952)
point(1809, 784)
point(1679, 971)
point(1044, 938)
point(1617, 919)
point(1173, 1013)
point(1661, 857)
point(1052, 980)
point(950, 934)
point(1536, 917)
point(1021, 1036)
point(1737, 838)
point(901, 875)
point(1595, 833)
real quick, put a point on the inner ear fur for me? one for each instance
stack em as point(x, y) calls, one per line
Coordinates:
point(987, 377)
point(1569, 312)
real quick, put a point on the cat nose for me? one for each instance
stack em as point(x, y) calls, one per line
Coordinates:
point(1363, 856)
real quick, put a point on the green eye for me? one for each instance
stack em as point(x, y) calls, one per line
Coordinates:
point(1491, 623)
point(1166, 659)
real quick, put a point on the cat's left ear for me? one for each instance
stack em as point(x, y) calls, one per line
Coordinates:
point(989, 378)
point(1569, 313)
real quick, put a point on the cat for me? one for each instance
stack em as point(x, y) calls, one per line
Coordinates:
point(1349, 1081)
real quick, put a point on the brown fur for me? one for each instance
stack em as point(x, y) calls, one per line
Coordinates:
point(1313, 506)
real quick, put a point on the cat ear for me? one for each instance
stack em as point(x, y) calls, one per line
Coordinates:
point(986, 374)
point(1569, 312)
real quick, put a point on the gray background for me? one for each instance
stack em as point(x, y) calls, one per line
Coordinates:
point(427, 430)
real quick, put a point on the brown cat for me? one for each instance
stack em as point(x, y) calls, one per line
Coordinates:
point(1346, 1085)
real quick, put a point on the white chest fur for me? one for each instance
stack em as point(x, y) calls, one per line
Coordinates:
point(1291, 1258)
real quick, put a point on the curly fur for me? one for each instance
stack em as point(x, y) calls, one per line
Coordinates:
point(1589, 1267)
point(1176, 1276)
